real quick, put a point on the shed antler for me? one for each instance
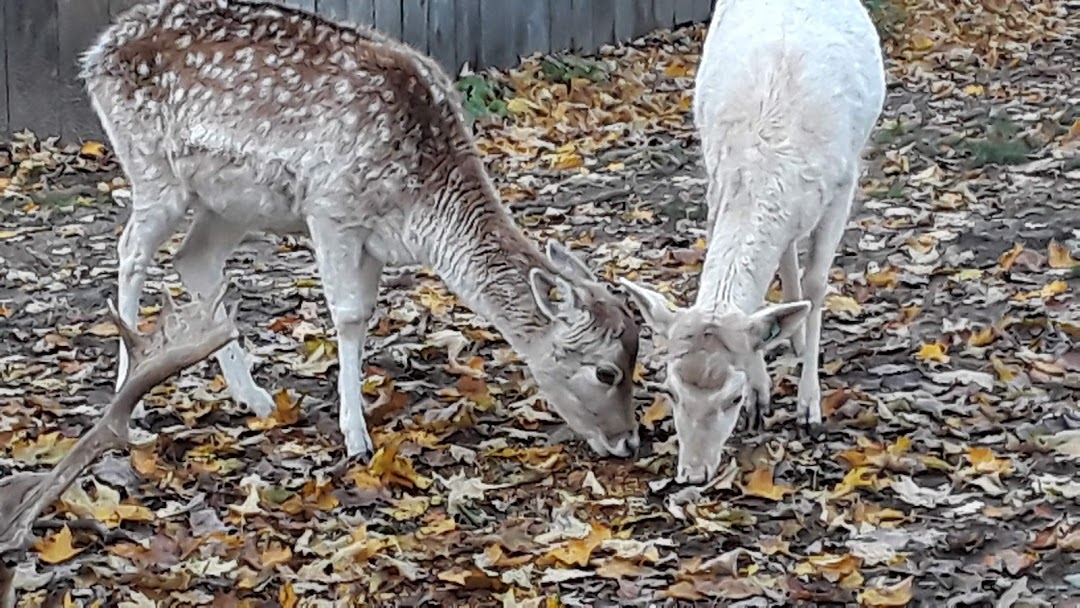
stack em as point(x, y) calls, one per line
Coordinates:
point(184, 336)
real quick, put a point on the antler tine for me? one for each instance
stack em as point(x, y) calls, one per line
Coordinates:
point(135, 343)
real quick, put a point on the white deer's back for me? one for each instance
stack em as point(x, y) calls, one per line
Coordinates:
point(824, 57)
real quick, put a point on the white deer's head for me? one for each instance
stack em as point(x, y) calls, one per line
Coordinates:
point(707, 358)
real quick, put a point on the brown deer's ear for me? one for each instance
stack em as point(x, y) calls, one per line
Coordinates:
point(566, 263)
point(541, 282)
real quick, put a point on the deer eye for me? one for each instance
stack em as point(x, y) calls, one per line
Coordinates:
point(608, 375)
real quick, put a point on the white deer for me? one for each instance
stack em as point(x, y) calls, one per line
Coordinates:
point(263, 118)
point(786, 96)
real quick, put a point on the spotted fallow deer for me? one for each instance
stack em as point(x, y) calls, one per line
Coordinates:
point(786, 96)
point(259, 117)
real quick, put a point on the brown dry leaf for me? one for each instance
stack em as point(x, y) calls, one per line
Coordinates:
point(275, 555)
point(1008, 258)
point(57, 547)
point(47, 448)
point(287, 597)
point(286, 412)
point(832, 567)
point(886, 278)
point(621, 568)
point(1060, 257)
point(106, 329)
point(389, 468)
point(657, 411)
point(760, 483)
point(577, 552)
point(984, 461)
point(843, 304)
point(898, 594)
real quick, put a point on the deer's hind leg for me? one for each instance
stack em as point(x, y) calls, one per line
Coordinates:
point(201, 264)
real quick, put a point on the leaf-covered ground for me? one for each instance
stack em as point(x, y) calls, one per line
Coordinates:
point(947, 476)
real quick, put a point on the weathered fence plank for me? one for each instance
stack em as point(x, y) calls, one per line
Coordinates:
point(603, 30)
point(33, 66)
point(414, 24)
point(498, 46)
point(560, 25)
point(664, 13)
point(442, 33)
point(388, 17)
point(307, 5)
point(79, 120)
point(468, 32)
point(41, 39)
point(582, 26)
point(118, 6)
point(5, 125)
point(534, 25)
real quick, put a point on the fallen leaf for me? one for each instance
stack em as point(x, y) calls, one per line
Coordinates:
point(657, 411)
point(898, 594)
point(1060, 257)
point(932, 351)
point(57, 547)
point(760, 484)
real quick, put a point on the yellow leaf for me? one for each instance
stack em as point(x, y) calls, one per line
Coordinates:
point(1054, 289)
point(893, 595)
point(49, 448)
point(1060, 256)
point(984, 461)
point(388, 468)
point(859, 477)
point(409, 507)
point(760, 484)
point(565, 161)
point(517, 105)
point(932, 351)
point(105, 329)
point(1005, 372)
point(92, 149)
point(57, 547)
point(577, 552)
point(922, 43)
point(287, 596)
point(982, 337)
point(838, 304)
point(974, 89)
point(832, 567)
point(969, 274)
point(656, 412)
point(275, 555)
point(883, 278)
point(286, 412)
point(1008, 258)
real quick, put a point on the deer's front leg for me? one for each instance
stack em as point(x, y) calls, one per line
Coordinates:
point(350, 279)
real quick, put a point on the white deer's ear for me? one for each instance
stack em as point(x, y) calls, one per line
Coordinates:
point(566, 263)
point(541, 282)
point(774, 323)
point(654, 306)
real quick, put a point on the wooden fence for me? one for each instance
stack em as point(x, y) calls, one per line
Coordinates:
point(40, 41)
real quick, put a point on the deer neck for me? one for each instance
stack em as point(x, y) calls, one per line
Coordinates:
point(484, 259)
